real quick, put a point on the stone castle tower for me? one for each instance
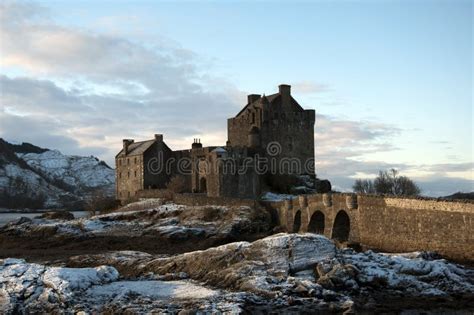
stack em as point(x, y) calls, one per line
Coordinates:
point(278, 121)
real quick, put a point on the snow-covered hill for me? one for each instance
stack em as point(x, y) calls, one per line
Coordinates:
point(33, 177)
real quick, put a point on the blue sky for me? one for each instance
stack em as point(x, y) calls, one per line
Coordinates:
point(391, 81)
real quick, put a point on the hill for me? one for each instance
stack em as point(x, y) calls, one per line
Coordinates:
point(35, 178)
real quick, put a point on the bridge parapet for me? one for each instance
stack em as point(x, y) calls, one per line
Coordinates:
point(391, 224)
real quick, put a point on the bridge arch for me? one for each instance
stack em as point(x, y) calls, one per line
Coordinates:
point(297, 222)
point(316, 223)
point(341, 227)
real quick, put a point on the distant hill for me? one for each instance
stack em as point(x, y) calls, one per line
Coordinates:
point(461, 195)
point(34, 177)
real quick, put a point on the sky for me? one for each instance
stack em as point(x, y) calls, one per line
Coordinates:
point(391, 81)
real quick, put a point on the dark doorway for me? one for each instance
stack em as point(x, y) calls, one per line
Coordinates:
point(297, 222)
point(341, 227)
point(202, 185)
point(316, 223)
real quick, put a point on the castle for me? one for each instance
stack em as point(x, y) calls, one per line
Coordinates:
point(271, 135)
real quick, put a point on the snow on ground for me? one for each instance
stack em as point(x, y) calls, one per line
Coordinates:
point(69, 280)
point(270, 196)
point(152, 289)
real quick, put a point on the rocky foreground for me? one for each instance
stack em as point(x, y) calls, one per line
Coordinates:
point(176, 262)
point(283, 273)
point(149, 225)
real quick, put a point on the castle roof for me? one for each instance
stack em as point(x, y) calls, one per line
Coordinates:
point(138, 148)
point(272, 99)
point(269, 98)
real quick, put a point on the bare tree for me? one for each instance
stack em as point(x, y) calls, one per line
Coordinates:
point(384, 183)
point(364, 186)
point(387, 183)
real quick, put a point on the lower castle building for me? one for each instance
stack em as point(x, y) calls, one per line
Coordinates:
point(271, 136)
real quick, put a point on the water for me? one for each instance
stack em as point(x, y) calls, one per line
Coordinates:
point(8, 217)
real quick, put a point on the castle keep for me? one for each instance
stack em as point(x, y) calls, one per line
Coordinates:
point(271, 134)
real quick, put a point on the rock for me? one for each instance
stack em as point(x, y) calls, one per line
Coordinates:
point(57, 215)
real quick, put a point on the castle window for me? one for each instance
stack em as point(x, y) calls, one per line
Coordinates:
point(135, 160)
point(135, 173)
point(128, 161)
point(120, 175)
point(128, 174)
point(253, 118)
point(290, 147)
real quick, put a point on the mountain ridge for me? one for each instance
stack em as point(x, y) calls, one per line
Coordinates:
point(34, 177)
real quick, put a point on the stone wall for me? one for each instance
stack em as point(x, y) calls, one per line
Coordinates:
point(387, 224)
point(394, 224)
point(197, 199)
point(153, 193)
point(128, 176)
point(203, 200)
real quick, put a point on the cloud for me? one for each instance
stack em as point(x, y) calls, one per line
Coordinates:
point(343, 146)
point(98, 88)
point(32, 42)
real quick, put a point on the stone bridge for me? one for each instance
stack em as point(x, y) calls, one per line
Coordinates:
point(385, 223)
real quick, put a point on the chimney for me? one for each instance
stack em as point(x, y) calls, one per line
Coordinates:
point(126, 143)
point(196, 144)
point(252, 98)
point(158, 137)
point(285, 92)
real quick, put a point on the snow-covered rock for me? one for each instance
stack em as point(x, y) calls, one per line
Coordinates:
point(32, 288)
